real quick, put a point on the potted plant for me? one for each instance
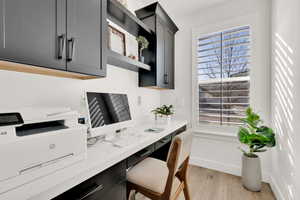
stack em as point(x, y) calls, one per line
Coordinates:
point(257, 138)
point(164, 112)
point(143, 44)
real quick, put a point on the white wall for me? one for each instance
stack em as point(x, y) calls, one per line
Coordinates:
point(21, 89)
point(220, 152)
point(285, 98)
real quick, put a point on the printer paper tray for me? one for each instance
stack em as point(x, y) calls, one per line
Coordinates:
point(38, 166)
point(39, 128)
point(30, 176)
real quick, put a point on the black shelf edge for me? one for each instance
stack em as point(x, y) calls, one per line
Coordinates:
point(118, 60)
point(120, 15)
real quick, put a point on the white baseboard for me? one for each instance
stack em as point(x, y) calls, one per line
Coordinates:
point(218, 166)
point(276, 189)
point(222, 167)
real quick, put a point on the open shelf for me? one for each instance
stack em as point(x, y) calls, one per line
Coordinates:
point(120, 15)
point(116, 59)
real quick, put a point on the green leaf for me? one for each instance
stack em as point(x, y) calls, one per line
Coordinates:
point(248, 111)
point(252, 119)
point(260, 150)
point(268, 133)
point(243, 135)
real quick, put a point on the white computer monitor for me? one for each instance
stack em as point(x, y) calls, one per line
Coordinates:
point(107, 113)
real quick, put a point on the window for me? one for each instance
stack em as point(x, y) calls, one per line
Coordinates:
point(223, 76)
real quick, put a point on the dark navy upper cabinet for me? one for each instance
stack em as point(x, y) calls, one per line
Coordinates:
point(30, 31)
point(66, 35)
point(1, 26)
point(161, 53)
point(86, 33)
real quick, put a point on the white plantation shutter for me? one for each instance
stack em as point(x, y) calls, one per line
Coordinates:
point(223, 62)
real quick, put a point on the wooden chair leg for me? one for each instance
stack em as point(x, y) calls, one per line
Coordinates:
point(186, 191)
point(128, 190)
point(184, 179)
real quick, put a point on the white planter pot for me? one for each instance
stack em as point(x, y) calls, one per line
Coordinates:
point(251, 173)
point(163, 120)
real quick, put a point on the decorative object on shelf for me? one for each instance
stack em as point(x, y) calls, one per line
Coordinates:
point(163, 114)
point(124, 3)
point(143, 44)
point(132, 47)
point(116, 41)
point(257, 137)
point(132, 57)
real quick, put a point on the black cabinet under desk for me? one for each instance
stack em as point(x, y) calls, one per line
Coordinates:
point(111, 183)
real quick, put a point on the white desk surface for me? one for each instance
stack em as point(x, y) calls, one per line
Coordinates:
point(100, 156)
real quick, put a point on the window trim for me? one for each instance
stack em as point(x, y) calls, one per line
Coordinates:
point(202, 32)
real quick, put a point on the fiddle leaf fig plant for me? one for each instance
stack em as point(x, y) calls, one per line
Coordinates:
point(256, 136)
point(164, 110)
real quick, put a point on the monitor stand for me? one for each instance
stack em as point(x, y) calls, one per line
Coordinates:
point(93, 140)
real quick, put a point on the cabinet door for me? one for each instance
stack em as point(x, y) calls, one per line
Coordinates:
point(32, 32)
point(2, 35)
point(108, 185)
point(169, 59)
point(160, 53)
point(117, 192)
point(86, 33)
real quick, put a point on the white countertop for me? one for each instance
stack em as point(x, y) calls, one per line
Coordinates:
point(100, 156)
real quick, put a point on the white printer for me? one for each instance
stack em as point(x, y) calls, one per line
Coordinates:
point(35, 142)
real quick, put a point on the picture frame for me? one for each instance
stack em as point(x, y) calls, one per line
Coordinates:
point(116, 40)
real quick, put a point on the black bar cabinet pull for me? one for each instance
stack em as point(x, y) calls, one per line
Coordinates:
point(71, 46)
point(94, 189)
point(61, 46)
point(145, 152)
point(166, 79)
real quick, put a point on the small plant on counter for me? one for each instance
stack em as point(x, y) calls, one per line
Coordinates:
point(164, 110)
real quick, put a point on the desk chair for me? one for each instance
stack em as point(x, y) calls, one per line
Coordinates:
point(160, 180)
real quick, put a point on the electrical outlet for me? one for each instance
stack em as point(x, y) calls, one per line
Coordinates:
point(139, 100)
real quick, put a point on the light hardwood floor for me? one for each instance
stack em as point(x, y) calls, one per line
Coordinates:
point(208, 184)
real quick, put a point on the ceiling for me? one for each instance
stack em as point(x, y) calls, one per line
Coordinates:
point(180, 7)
